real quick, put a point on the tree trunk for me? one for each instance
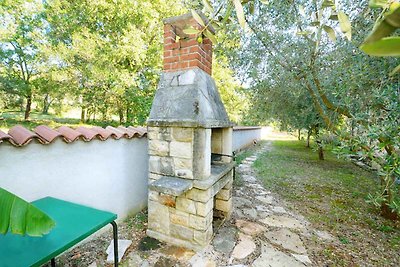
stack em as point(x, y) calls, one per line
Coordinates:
point(46, 104)
point(28, 107)
point(319, 145)
point(299, 134)
point(121, 116)
point(308, 137)
point(83, 114)
point(386, 211)
point(320, 152)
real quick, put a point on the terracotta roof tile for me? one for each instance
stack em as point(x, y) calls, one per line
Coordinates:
point(103, 133)
point(47, 133)
point(21, 136)
point(70, 135)
point(88, 134)
point(4, 136)
point(117, 132)
point(140, 131)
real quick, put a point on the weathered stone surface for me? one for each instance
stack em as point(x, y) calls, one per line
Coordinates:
point(153, 195)
point(224, 240)
point(199, 222)
point(287, 239)
point(249, 179)
point(154, 177)
point(161, 165)
point(282, 221)
point(158, 148)
point(265, 199)
point(171, 185)
point(185, 205)
point(178, 253)
point(166, 200)
point(179, 217)
point(181, 232)
point(250, 213)
point(302, 258)
point(182, 134)
point(203, 209)
point(123, 245)
point(250, 228)
point(278, 210)
point(180, 163)
point(184, 173)
point(200, 195)
point(324, 235)
point(239, 202)
point(155, 212)
point(202, 261)
point(244, 248)
point(274, 258)
point(261, 208)
point(181, 149)
point(203, 237)
point(223, 205)
point(224, 194)
point(165, 262)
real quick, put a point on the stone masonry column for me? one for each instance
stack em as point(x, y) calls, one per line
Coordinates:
point(183, 191)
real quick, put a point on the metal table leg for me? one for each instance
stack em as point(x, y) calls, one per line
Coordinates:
point(115, 235)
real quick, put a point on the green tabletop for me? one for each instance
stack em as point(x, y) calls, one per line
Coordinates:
point(73, 224)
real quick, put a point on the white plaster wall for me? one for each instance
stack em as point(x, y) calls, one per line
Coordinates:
point(244, 137)
point(109, 175)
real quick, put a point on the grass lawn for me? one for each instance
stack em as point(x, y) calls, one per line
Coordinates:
point(11, 118)
point(331, 195)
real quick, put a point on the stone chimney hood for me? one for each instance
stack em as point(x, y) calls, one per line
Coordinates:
point(187, 95)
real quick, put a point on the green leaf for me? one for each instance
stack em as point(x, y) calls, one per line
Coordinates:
point(239, 12)
point(304, 33)
point(389, 46)
point(208, 6)
point(315, 23)
point(385, 27)
point(191, 30)
point(331, 32)
point(328, 3)
point(378, 3)
point(21, 217)
point(265, 2)
point(344, 24)
point(197, 17)
point(395, 70)
point(210, 36)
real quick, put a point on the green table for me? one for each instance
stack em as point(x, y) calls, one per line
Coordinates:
point(73, 224)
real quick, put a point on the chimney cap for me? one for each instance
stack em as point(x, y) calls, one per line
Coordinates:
point(182, 20)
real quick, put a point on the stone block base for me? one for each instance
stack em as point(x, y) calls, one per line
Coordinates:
point(176, 241)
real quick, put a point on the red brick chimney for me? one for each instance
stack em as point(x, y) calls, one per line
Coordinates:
point(185, 52)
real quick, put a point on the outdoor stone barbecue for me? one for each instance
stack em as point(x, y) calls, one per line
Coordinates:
point(190, 144)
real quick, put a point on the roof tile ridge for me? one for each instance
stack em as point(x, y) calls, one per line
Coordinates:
point(118, 133)
point(88, 133)
point(104, 134)
point(20, 136)
point(69, 135)
point(140, 131)
point(46, 133)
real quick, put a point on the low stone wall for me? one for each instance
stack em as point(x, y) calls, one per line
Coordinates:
point(109, 175)
point(244, 136)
